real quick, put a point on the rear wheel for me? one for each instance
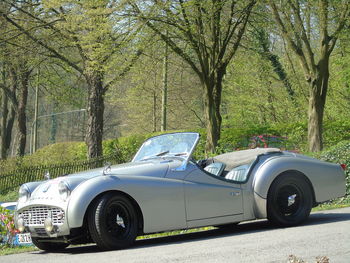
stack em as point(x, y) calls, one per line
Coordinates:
point(289, 200)
point(112, 221)
point(49, 246)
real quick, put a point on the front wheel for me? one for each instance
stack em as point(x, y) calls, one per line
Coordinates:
point(289, 200)
point(49, 246)
point(113, 222)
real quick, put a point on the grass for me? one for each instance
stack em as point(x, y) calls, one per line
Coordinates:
point(15, 250)
point(334, 204)
point(176, 232)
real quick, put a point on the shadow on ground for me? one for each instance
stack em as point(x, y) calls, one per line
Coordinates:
point(241, 229)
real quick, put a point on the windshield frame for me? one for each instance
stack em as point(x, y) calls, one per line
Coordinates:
point(185, 156)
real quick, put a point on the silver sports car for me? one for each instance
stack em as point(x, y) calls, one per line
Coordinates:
point(163, 189)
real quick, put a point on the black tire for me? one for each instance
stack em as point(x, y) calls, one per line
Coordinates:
point(289, 200)
point(49, 246)
point(113, 222)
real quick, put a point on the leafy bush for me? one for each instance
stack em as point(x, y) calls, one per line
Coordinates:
point(335, 132)
point(340, 154)
point(128, 146)
point(7, 227)
point(57, 153)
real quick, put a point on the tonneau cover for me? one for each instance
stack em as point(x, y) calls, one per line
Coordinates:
point(237, 158)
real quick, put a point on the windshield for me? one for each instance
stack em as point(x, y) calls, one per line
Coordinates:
point(172, 144)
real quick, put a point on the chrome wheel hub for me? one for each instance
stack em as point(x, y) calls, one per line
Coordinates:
point(291, 199)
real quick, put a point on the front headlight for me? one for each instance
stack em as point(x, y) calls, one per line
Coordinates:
point(64, 190)
point(24, 193)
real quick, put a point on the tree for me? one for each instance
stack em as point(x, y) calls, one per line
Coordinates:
point(18, 70)
point(265, 51)
point(87, 36)
point(139, 95)
point(7, 111)
point(206, 34)
point(296, 20)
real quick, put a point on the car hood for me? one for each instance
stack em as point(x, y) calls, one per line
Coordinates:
point(155, 168)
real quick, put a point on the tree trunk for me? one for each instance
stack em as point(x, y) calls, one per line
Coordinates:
point(165, 89)
point(7, 121)
point(4, 109)
point(9, 128)
point(317, 101)
point(9, 115)
point(21, 113)
point(95, 112)
point(212, 101)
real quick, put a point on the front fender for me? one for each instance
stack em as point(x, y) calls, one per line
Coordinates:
point(161, 200)
point(83, 195)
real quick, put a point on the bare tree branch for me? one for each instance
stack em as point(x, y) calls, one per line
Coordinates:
point(41, 43)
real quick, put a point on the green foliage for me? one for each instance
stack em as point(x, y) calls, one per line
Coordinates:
point(238, 138)
point(14, 178)
point(129, 145)
point(126, 147)
point(73, 154)
point(57, 153)
point(336, 131)
point(11, 196)
point(340, 154)
point(60, 153)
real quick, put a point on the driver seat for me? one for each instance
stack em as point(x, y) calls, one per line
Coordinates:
point(215, 168)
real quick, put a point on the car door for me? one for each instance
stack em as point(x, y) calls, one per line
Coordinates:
point(211, 200)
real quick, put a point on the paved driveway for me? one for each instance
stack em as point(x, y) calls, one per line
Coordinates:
point(326, 233)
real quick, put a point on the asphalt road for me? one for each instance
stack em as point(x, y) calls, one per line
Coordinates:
point(326, 233)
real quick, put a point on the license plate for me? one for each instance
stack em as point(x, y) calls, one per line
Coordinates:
point(24, 238)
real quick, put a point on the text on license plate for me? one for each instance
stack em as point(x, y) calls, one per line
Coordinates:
point(24, 238)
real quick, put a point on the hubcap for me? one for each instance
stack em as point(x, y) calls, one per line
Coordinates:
point(291, 199)
point(288, 200)
point(118, 220)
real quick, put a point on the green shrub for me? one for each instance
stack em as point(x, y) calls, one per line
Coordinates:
point(340, 154)
point(58, 153)
point(335, 132)
point(128, 146)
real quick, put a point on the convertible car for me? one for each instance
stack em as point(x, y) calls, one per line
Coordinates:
point(163, 188)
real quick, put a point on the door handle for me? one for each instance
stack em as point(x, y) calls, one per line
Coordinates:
point(235, 193)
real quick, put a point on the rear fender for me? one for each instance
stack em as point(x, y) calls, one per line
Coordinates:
point(266, 174)
point(326, 180)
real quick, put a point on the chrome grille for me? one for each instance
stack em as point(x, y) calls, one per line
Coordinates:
point(35, 216)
